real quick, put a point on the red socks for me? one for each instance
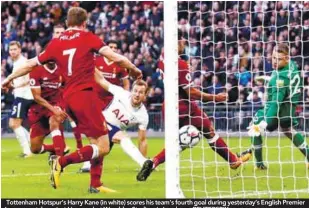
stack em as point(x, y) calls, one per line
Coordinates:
point(58, 141)
point(222, 149)
point(48, 148)
point(81, 155)
point(78, 138)
point(96, 171)
point(159, 158)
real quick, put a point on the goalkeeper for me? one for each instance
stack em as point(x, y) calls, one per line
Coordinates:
point(283, 95)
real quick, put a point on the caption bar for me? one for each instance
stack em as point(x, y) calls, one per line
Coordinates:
point(198, 203)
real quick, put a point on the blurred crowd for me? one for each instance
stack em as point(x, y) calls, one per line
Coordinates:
point(137, 26)
point(230, 43)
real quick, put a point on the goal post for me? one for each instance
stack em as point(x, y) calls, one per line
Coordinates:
point(231, 43)
point(172, 184)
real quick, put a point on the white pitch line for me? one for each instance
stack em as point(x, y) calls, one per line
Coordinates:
point(258, 193)
point(30, 174)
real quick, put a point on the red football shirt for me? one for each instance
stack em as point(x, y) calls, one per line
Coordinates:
point(49, 81)
point(73, 53)
point(112, 73)
point(184, 76)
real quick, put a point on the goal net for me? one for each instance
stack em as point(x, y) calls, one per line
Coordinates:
point(228, 46)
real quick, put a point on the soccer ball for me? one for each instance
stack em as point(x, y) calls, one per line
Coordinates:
point(189, 136)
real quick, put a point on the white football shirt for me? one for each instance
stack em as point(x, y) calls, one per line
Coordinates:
point(25, 91)
point(122, 114)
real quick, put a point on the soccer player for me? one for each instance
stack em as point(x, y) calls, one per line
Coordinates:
point(283, 95)
point(190, 113)
point(73, 53)
point(126, 110)
point(23, 100)
point(113, 74)
point(46, 115)
point(57, 31)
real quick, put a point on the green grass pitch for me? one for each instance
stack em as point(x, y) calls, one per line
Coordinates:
point(203, 174)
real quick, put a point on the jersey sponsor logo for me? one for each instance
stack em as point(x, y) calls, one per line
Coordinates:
point(120, 117)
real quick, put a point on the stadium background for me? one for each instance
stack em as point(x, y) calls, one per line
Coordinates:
point(230, 43)
point(138, 26)
point(235, 59)
point(233, 52)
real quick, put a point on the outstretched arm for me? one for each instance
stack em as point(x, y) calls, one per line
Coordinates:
point(23, 69)
point(197, 95)
point(122, 61)
point(100, 79)
point(142, 142)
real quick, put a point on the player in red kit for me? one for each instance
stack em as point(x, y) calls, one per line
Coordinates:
point(113, 74)
point(73, 53)
point(191, 113)
point(46, 114)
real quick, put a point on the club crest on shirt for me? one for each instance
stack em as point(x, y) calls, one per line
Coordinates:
point(188, 77)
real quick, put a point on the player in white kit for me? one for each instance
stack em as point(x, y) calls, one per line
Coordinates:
point(23, 100)
point(126, 110)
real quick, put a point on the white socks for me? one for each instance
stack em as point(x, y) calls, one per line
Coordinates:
point(23, 138)
point(86, 165)
point(129, 148)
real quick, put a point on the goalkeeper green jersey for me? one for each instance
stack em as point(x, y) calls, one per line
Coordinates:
point(283, 93)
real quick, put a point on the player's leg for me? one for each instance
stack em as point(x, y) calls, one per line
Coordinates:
point(159, 158)
point(77, 134)
point(93, 152)
point(257, 141)
point(128, 147)
point(19, 113)
point(91, 123)
point(57, 135)
point(96, 169)
point(150, 165)
point(287, 122)
point(87, 165)
point(200, 120)
point(298, 140)
point(38, 131)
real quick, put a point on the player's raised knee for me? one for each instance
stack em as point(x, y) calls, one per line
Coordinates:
point(35, 148)
point(104, 150)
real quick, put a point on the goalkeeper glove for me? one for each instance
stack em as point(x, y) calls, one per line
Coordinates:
point(257, 129)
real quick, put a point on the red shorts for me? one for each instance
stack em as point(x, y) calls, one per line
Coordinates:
point(84, 107)
point(191, 114)
point(38, 117)
point(105, 101)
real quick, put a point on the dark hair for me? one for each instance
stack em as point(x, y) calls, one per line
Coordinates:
point(113, 42)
